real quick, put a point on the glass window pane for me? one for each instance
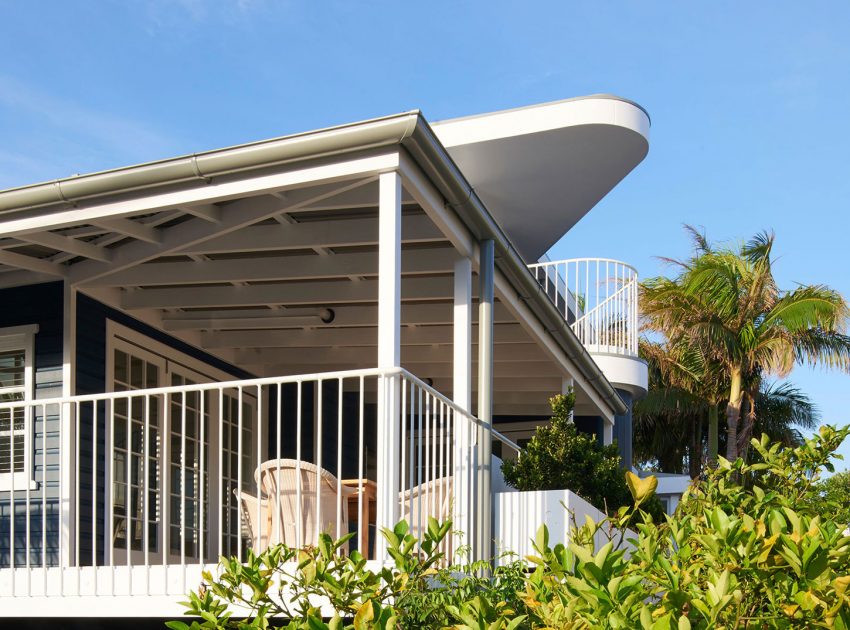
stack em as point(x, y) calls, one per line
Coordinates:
point(12, 365)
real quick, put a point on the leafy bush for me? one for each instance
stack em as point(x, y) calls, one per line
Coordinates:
point(733, 556)
point(832, 498)
point(560, 457)
point(416, 591)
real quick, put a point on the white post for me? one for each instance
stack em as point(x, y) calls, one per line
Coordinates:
point(464, 480)
point(389, 352)
point(607, 432)
point(483, 529)
point(67, 460)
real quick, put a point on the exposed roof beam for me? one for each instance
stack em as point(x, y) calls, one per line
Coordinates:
point(32, 264)
point(508, 334)
point(419, 366)
point(438, 357)
point(320, 293)
point(69, 245)
point(330, 233)
point(130, 228)
point(206, 211)
point(234, 216)
point(341, 316)
point(274, 268)
point(546, 387)
point(18, 278)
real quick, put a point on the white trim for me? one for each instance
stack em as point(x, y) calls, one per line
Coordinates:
point(14, 338)
point(114, 330)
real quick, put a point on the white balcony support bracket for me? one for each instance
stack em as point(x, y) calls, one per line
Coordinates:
point(483, 538)
point(389, 350)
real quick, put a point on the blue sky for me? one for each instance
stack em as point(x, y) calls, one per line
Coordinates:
point(749, 102)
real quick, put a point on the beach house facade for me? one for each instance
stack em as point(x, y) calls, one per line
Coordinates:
point(328, 331)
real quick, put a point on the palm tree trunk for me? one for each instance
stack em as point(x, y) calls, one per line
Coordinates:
point(749, 422)
point(733, 415)
point(695, 456)
point(713, 420)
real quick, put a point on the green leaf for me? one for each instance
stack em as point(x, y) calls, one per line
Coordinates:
point(641, 489)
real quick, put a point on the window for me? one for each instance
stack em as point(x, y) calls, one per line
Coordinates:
point(16, 385)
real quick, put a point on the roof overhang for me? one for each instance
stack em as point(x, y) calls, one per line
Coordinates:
point(540, 169)
point(121, 199)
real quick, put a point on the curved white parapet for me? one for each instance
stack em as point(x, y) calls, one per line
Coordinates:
point(624, 372)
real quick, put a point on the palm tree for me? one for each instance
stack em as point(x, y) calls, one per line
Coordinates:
point(685, 390)
point(725, 301)
point(669, 421)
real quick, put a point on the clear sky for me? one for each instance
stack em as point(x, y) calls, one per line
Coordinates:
point(750, 102)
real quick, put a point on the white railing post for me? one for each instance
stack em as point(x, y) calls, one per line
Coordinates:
point(67, 490)
point(389, 353)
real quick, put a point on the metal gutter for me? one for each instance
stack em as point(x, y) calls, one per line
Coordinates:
point(408, 129)
point(201, 167)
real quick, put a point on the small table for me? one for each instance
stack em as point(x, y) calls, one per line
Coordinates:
point(364, 514)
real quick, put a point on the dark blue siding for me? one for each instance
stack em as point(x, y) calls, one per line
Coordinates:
point(91, 344)
point(37, 304)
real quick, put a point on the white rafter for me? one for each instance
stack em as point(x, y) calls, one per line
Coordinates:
point(334, 291)
point(438, 260)
point(234, 216)
point(69, 245)
point(32, 264)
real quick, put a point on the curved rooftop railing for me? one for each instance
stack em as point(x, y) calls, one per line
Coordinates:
point(598, 297)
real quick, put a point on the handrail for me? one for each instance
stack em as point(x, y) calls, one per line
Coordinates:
point(598, 297)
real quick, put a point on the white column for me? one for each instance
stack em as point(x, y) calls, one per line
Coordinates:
point(389, 352)
point(464, 438)
point(67, 460)
point(462, 334)
point(607, 432)
point(483, 537)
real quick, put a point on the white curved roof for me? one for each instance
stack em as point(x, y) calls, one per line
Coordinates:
point(540, 169)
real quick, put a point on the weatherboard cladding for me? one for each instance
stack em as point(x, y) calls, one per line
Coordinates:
point(37, 304)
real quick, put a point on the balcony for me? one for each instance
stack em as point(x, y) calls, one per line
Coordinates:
point(155, 485)
point(598, 297)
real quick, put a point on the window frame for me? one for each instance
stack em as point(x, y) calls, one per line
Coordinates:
point(22, 338)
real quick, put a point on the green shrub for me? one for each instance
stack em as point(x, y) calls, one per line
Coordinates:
point(560, 457)
point(733, 556)
point(832, 498)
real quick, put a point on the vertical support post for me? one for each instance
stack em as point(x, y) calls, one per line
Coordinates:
point(68, 463)
point(462, 447)
point(483, 537)
point(607, 432)
point(389, 352)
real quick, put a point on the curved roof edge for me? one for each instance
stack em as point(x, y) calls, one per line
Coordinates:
point(596, 109)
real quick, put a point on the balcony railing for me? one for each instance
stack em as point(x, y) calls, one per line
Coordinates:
point(598, 297)
point(132, 492)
